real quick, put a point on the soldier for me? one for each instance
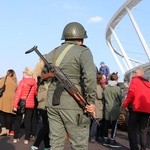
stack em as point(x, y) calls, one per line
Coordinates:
point(64, 114)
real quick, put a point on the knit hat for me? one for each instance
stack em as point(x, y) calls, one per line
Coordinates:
point(102, 63)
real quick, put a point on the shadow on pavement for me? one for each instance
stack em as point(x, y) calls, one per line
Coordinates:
point(5, 143)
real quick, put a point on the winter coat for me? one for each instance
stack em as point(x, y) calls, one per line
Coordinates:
point(138, 95)
point(112, 96)
point(42, 95)
point(22, 91)
point(99, 103)
point(104, 70)
point(6, 101)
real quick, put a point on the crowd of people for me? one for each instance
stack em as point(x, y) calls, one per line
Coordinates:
point(63, 110)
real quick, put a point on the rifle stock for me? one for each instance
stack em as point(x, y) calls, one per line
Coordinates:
point(69, 87)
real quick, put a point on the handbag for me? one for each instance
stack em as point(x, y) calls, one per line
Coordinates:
point(22, 104)
point(2, 89)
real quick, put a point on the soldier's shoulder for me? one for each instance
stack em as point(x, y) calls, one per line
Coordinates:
point(55, 48)
point(84, 46)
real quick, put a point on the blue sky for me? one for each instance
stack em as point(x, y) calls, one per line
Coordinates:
point(41, 22)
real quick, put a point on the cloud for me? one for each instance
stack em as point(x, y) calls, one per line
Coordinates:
point(95, 19)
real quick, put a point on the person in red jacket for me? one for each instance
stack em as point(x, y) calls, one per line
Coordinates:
point(27, 89)
point(137, 101)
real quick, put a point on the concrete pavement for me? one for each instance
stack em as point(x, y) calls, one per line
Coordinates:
point(7, 144)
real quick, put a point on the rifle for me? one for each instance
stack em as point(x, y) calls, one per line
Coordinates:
point(67, 84)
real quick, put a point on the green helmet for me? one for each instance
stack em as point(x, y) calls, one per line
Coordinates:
point(74, 30)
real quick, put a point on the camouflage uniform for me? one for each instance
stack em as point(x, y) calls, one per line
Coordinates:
point(78, 66)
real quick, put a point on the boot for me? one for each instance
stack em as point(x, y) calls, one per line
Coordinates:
point(3, 132)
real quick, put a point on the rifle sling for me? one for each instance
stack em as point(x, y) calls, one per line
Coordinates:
point(59, 87)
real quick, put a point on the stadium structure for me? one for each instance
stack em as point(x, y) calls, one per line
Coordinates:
point(127, 62)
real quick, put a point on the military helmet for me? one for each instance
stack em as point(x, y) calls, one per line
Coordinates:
point(74, 30)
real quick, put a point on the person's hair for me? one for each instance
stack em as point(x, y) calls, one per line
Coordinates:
point(11, 73)
point(99, 77)
point(139, 70)
point(114, 76)
point(100, 80)
point(29, 72)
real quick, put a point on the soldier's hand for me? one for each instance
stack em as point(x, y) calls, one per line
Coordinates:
point(90, 108)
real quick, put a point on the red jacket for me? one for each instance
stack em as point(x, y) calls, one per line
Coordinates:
point(138, 94)
point(22, 91)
